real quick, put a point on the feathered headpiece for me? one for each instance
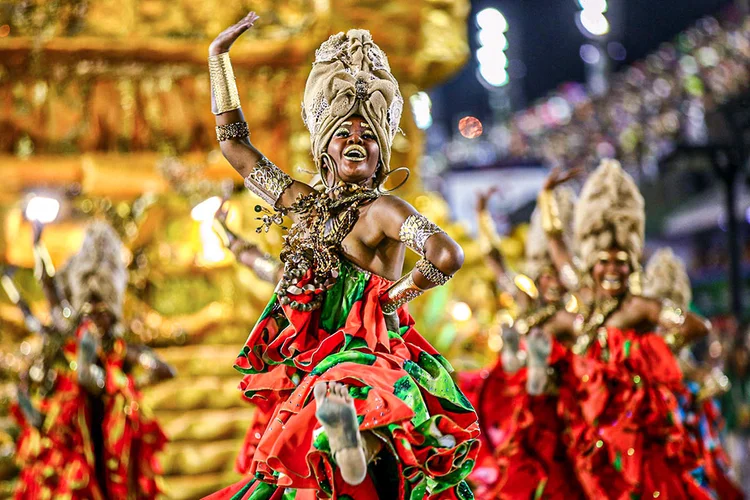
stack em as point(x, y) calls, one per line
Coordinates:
point(537, 248)
point(610, 212)
point(351, 76)
point(667, 278)
point(98, 270)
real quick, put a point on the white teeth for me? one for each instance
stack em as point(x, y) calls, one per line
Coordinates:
point(611, 283)
point(355, 152)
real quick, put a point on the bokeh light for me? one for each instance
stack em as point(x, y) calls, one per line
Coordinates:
point(42, 209)
point(470, 127)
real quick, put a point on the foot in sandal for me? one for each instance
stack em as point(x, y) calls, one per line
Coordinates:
point(336, 414)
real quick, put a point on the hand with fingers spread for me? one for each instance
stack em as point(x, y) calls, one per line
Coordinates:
point(226, 38)
point(559, 176)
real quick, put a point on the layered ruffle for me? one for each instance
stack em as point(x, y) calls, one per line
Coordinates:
point(402, 389)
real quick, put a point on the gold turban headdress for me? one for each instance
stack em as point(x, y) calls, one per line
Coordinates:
point(667, 279)
point(610, 212)
point(537, 247)
point(97, 269)
point(351, 76)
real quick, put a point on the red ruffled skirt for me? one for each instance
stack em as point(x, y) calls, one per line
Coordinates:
point(402, 390)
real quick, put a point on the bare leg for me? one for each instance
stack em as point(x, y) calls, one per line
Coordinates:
point(336, 414)
point(539, 347)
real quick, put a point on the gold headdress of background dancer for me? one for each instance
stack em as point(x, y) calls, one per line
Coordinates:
point(351, 76)
point(667, 279)
point(609, 213)
point(97, 271)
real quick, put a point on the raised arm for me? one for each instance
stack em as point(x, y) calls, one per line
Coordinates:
point(489, 240)
point(441, 256)
point(46, 274)
point(553, 227)
point(261, 176)
point(262, 264)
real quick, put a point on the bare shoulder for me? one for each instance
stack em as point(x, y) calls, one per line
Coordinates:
point(389, 204)
point(390, 210)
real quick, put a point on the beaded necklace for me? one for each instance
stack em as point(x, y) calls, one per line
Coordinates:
point(312, 247)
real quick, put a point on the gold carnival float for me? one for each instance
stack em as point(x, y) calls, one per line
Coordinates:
point(105, 106)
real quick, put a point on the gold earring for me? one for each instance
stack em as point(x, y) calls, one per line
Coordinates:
point(385, 178)
point(324, 159)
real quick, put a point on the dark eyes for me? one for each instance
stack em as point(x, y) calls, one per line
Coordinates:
point(342, 132)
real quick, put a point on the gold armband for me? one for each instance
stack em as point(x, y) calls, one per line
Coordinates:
point(399, 294)
point(267, 181)
point(416, 230)
point(223, 84)
point(432, 273)
point(235, 130)
point(547, 203)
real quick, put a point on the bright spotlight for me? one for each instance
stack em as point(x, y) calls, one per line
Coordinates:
point(594, 5)
point(42, 209)
point(491, 58)
point(492, 19)
point(492, 39)
point(594, 22)
point(497, 76)
point(206, 209)
point(421, 106)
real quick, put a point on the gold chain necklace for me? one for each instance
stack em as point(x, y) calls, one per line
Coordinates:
point(586, 327)
point(313, 243)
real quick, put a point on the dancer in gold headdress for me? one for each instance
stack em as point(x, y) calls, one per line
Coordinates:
point(667, 279)
point(86, 435)
point(523, 454)
point(625, 434)
point(362, 405)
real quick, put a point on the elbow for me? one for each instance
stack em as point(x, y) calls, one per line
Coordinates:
point(448, 257)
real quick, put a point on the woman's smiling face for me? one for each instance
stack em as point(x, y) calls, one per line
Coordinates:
point(355, 151)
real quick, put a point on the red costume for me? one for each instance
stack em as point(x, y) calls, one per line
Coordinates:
point(90, 447)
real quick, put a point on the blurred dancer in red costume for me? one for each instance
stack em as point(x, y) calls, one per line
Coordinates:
point(523, 455)
point(618, 394)
point(84, 433)
point(667, 279)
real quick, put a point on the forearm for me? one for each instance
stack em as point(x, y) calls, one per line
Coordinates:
point(558, 249)
point(441, 258)
point(263, 265)
point(261, 176)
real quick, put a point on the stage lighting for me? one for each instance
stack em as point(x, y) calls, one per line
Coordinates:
point(493, 43)
point(42, 209)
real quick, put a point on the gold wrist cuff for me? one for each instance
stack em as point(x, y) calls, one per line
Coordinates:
point(267, 181)
point(399, 294)
point(550, 212)
point(432, 273)
point(223, 84)
point(235, 130)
